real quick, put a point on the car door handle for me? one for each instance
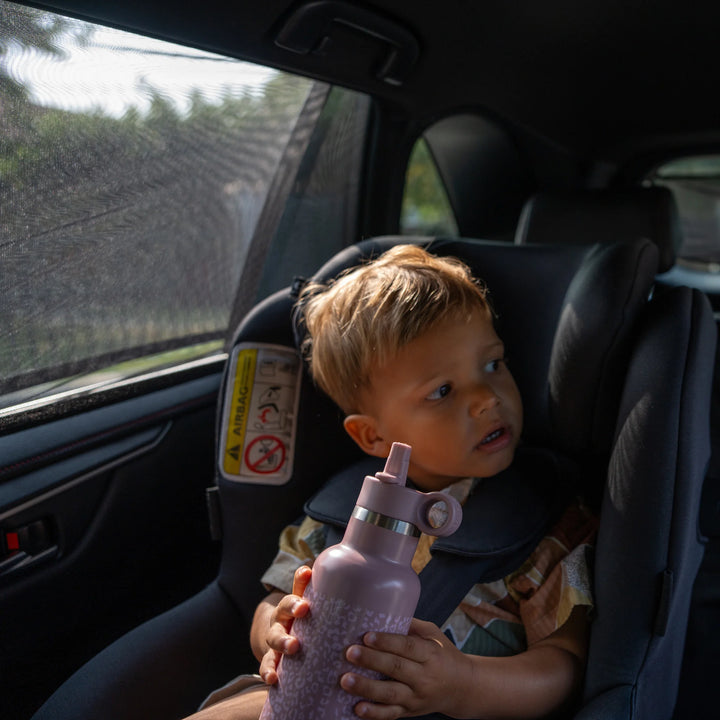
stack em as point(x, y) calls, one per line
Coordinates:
point(27, 545)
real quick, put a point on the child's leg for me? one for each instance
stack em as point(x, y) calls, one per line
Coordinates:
point(246, 705)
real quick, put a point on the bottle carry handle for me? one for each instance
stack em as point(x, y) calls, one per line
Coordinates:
point(438, 514)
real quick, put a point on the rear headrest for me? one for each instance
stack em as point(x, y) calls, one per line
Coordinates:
point(566, 315)
point(604, 217)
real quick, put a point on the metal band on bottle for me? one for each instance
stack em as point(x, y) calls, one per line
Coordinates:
point(375, 518)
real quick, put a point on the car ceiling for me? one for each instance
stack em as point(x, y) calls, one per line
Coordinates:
point(599, 79)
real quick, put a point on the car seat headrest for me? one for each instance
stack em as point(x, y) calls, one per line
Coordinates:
point(604, 217)
point(566, 315)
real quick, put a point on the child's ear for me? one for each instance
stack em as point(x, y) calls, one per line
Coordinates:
point(363, 430)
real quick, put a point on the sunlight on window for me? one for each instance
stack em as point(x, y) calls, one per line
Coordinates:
point(89, 68)
point(695, 183)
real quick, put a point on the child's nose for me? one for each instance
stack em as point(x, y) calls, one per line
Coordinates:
point(484, 398)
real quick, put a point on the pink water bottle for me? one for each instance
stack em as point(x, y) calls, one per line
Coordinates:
point(364, 583)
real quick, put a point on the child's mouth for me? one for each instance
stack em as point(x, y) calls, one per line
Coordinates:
point(494, 435)
point(496, 440)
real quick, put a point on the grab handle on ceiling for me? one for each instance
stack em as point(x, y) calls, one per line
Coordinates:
point(310, 28)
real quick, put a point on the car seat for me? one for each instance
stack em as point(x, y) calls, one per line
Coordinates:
point(604, 216)
point(584, 217)
point(615, 389)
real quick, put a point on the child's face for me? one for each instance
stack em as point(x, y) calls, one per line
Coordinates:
point(450, 395)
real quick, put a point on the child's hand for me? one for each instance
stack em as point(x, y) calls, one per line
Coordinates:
point(423, 668)
point(278, 639)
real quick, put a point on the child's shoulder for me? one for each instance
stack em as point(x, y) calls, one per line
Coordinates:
point(568, 538)
point(576, 526)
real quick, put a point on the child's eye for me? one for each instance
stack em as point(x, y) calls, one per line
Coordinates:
point(440, 393)
point(494, 365)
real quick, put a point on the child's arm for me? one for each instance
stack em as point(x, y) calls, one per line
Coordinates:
point(429, 674)
point(269, 633)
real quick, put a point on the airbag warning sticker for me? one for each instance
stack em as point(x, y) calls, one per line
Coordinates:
point(260, 414)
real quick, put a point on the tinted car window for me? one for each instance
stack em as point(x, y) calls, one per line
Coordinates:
point(426, 209)
point(319, 217)
point(695, 183)
point(132, 176)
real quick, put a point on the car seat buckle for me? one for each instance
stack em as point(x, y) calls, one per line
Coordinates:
point(212, 501)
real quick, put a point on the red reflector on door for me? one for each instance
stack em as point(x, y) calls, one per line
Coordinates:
point(11, 541)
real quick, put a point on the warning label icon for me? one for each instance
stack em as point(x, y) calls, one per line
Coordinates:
point(265, 454)
point(260, 414)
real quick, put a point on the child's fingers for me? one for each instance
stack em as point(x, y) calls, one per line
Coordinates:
point(411, 647)
point(289, 608)
point(301, 579)
point(279, 640)
point(378, 712)
point(387, 664)
point(268, 667)
point(382, 699)
point(278, 636)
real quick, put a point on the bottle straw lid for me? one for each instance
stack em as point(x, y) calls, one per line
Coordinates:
point(396, 465)
point(386, 494)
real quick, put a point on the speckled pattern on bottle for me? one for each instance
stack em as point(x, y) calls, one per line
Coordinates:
point(308, 686)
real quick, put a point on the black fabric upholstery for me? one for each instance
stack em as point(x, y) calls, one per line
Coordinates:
point(649, 549)
point(604, 217)
point(160, 670)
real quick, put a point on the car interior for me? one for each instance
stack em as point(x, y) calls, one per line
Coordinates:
point(153, 252)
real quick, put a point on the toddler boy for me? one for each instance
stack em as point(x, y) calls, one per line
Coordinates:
point(406, 346)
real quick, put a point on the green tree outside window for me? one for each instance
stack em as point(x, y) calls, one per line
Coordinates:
point(426, 209)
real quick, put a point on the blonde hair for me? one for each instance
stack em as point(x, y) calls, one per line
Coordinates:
point(363, 317)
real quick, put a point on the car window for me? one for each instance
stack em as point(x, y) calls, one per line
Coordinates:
point(426, 209)
point(695, 183)
point(133, 176)
point(319, 217)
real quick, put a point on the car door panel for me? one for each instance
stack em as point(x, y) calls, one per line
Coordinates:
point(102, 525)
